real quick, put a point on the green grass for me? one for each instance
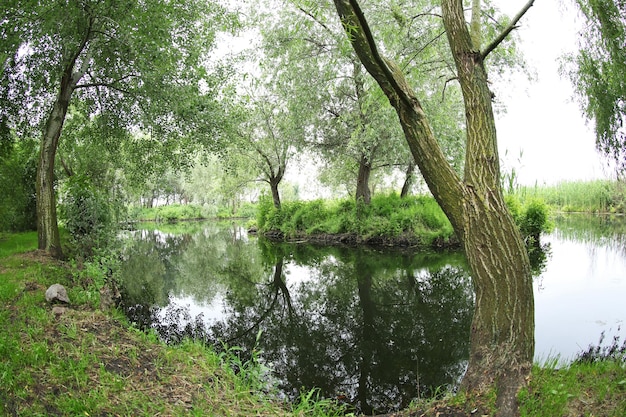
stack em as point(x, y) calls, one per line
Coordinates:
point(579, 389)
point(17, 243)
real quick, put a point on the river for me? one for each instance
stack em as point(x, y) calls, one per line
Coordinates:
point(374, 328)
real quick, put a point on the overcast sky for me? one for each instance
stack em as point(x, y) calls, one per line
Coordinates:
point(542, 119)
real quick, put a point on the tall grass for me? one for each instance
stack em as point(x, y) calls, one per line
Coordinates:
point(599, 196)
point(592, 385)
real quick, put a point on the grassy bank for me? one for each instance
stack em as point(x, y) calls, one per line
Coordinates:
point(178, 212)
point(88, 362)
point(599, 196)
point(418, 219)
point(389, 219)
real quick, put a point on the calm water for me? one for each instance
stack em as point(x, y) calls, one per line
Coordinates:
point(373, 328)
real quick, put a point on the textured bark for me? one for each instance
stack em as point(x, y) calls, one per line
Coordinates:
point(47, 226)
point(274, 181)
point(502, 333)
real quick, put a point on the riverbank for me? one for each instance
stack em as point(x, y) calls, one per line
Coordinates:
point(80, 360)
point(89, 362)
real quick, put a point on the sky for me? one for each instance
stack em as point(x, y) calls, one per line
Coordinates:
point(542, 120)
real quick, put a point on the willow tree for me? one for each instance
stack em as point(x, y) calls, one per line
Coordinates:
point(597, 72)
point(502, 331)
point(133, 64)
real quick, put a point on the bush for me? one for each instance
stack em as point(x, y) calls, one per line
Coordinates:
point(534, 220)
point(86, 214)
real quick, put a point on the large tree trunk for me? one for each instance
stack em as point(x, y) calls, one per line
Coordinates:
point(47, 226)
point(362, 184)
point(502, 334)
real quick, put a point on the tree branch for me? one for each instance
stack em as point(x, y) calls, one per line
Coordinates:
point(382, 64)
point(493, 45)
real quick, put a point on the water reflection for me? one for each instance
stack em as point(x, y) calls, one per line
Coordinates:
point(580, 295)
point(375, 329)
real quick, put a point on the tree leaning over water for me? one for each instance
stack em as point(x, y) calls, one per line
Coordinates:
point(502, 331)
point(135, 65)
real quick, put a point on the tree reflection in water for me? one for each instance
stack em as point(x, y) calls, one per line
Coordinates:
point(373, 328)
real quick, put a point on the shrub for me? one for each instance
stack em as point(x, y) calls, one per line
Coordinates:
point(86, 214)
point(534, 220)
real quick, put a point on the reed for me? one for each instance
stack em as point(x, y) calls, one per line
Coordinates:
point(598, 196)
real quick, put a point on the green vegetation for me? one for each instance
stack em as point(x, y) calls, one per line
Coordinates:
point(580, 389)
point(416, 220)
point(177, 212)
point(388, 216)
point(599, 196)
point(88, 362)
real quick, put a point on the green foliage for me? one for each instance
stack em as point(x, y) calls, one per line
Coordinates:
point(532, 217)
point(87, 214)
point(174, 212)
point(178, 212)
point(597, 72)
point(581, 389)
point(388, 216)
point(17, 186)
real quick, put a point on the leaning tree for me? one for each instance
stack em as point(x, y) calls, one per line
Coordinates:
point(502, 331)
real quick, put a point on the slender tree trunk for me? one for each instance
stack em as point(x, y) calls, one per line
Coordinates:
point(408, 180)
point(274, 181)
point(502, 333)
point(362, 184)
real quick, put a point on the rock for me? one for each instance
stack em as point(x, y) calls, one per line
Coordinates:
point(57, 293)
